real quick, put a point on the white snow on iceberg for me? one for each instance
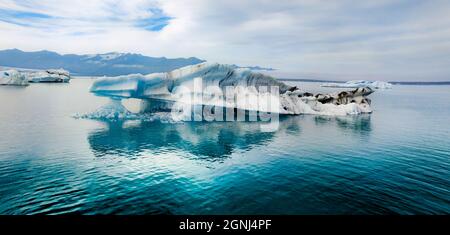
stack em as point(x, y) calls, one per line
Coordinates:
point(221, 84)
point(49, 75)
point(360, 83)
point(13, 77)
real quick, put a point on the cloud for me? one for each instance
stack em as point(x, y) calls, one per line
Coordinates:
point(22, 18)
point(155, 22)
point(387, 39)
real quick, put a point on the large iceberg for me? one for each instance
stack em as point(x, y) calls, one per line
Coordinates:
point(13, 77)
point(222, 85)
point(360, 83)
point(49, 75)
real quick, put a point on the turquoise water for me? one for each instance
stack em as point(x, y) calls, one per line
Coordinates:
point(394, 161)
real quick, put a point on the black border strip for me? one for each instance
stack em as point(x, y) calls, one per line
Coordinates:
point(278, 223)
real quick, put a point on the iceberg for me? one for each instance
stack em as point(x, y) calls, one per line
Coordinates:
point(360, 83)
point(13, 77)
point(221, 85)
point(49, 75)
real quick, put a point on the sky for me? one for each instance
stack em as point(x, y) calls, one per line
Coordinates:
point(403, 40)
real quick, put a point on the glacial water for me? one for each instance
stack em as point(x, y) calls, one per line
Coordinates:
point(394, 161)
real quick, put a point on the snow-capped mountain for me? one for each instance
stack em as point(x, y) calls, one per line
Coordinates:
point(109, 64)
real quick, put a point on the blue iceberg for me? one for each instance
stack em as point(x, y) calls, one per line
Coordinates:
point(222, 85)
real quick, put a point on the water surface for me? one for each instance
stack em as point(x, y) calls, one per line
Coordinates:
point(394, 161)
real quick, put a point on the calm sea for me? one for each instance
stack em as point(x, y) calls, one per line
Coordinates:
point(394, 161)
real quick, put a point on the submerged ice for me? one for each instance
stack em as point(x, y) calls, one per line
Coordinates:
point(228, 87)
point(115, 111)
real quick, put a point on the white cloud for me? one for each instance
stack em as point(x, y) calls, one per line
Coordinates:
point(391, 40)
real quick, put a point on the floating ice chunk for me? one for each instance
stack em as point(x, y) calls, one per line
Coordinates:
point(381, 85)
point(360, 83)
point(49, 75)
point(13, 77)
point(223, 86)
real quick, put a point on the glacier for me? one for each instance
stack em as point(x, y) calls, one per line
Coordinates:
point(220, 85)
point(13, 77)
point(360, 83)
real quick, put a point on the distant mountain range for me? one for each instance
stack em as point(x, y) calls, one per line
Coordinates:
point(109, 64)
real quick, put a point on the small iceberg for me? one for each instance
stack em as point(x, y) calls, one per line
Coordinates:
point(13, 77)
point(360, 83)
point(221, 85)
point(49, 75)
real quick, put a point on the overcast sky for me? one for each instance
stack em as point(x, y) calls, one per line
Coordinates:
point(381, 39)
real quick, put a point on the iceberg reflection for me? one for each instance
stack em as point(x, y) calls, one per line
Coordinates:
point(209, 141)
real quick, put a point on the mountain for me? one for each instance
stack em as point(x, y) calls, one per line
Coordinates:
point(109, 64)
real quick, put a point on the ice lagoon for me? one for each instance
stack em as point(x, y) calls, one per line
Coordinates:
point(393, 161)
